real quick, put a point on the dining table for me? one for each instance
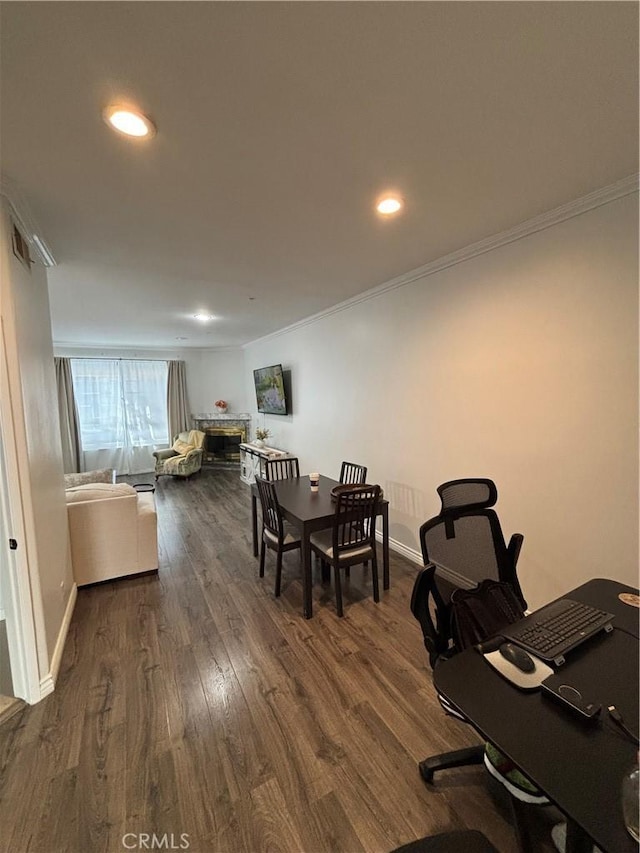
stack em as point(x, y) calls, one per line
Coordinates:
point(309, 511)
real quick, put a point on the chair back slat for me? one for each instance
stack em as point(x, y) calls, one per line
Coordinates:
point(353, 473)
point(355, 518)
point(282, 469)
point(271, 513)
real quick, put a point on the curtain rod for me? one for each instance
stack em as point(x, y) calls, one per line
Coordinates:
point(119, 358)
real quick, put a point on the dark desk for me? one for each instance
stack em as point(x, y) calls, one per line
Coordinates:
point(579, 766)
point(311, 511)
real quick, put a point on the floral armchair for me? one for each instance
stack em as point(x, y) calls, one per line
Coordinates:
point(184, 457)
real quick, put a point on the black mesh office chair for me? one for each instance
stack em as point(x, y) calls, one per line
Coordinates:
point(465, 540)
point(461, 547)
point(282, 469)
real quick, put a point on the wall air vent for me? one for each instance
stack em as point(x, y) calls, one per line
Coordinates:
point(21, 247)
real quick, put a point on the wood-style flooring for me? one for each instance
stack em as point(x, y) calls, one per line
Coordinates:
point(9, 706)
point(193, 701)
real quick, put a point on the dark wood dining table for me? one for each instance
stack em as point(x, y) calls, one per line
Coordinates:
point(311, 511)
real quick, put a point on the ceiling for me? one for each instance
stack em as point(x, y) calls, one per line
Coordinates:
point(279, 124)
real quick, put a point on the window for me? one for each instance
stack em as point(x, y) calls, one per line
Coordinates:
point(121, 403)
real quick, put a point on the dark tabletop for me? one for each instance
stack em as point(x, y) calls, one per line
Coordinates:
point(296, 497)
point(579, 765)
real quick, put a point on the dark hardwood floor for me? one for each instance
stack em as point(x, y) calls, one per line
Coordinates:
point(192, 701)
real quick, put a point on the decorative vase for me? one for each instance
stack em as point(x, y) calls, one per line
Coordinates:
point(222, 410)
point(258, 442)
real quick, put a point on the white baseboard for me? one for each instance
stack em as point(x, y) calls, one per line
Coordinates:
point(48, 683)
point(404, 550)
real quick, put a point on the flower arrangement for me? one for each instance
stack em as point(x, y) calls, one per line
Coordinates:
point(220, 404)
point(262, 433)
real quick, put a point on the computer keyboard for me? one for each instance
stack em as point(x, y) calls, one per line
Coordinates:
point(552, 631)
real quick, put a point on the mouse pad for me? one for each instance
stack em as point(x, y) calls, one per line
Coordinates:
point(523, 680)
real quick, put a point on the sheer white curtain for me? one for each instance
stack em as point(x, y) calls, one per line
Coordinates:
point(122, 410)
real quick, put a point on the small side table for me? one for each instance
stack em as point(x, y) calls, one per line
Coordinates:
point(144, 487)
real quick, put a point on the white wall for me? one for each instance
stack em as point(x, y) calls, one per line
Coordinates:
point(24, 307)
point(220, 377)
point(519, 365)
point(211, 374)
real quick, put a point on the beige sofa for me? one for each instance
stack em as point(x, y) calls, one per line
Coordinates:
point(113, 531)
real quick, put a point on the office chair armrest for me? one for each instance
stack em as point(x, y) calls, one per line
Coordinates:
point(513, 550)
point(424, 587)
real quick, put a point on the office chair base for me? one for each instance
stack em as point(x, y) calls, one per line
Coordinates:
point(446, 761)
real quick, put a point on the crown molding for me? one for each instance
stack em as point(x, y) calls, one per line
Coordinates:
point(581, 205)
point(19, 210)
point(151, 348)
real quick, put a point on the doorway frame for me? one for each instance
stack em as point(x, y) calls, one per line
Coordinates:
point(20, 599)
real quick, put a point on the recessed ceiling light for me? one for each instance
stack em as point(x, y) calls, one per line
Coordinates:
point(204, 318)
point(389, 205)
point(128, 121)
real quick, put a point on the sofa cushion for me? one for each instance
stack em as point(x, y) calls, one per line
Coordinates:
point(182, 447)
point(99, 491)
point(102, 475)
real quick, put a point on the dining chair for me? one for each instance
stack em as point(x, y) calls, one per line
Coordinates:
point(282, 469)
point(352, 538)
point(352, 473)
point(357, 475)
point(277, 534)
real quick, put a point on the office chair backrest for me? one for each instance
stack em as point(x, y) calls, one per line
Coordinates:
point(282, 469)
point(355, 518)
point(465, 540)
point(352, 473)
point(271, 514)
point(470, 493)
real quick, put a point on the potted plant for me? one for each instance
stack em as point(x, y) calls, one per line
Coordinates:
point(221, 406)
point(261, 435)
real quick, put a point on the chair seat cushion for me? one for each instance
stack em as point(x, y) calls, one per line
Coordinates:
point(181, 447)
point(323, 542)
point(291, 536)
point(174, 462)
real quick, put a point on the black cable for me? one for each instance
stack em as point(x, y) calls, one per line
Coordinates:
point(625, 631)
point(616, 716)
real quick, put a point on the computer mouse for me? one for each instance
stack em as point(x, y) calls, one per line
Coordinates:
point(517, 656)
